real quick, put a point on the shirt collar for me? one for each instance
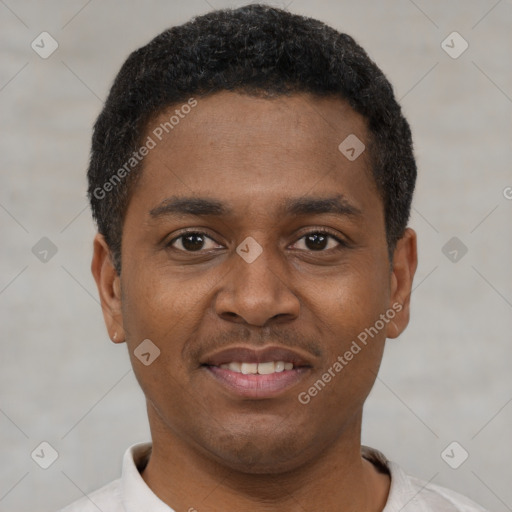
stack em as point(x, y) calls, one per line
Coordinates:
point(402, 495)
point(136, 494)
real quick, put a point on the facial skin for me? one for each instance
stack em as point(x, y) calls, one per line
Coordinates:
point(213, 449)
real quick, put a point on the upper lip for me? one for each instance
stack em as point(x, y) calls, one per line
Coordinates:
point(246, 354)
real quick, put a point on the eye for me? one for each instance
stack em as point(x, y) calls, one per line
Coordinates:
point(321, 241)
point(191, 241)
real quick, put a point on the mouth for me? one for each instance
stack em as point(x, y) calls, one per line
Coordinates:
point(249, 373)
point(257, 368)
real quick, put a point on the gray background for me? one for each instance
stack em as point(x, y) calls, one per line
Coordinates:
point(446, 379)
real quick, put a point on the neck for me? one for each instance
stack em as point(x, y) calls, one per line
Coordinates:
point(186, 479)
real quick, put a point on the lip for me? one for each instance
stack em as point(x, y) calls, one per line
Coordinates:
point(255, 385)
point(242, 354)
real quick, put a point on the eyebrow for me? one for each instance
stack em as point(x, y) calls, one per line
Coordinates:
point(199, 206)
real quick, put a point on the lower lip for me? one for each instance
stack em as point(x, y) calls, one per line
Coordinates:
point(255, 385)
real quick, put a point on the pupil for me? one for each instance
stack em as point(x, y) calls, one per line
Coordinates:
point(190, 245)
point(317, 238)
point(195, 241)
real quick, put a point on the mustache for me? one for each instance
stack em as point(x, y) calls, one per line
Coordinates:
point(194, 350)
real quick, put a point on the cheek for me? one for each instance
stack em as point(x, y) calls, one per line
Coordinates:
point(165, 312)
point(353, 344)
point(348, 311)
point(167, 309)
point(156, 300)
point(351, 299)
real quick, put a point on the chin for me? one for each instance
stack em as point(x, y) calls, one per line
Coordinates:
point(259, 463)
point(258, 457)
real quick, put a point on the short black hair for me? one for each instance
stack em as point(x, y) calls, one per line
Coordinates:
point(255, 50)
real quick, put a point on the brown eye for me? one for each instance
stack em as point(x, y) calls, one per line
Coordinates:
point(316, 241)
point(191, 242)
point(320, 241)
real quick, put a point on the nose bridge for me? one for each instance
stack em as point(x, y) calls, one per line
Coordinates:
point(257, 288)
point(258, 264)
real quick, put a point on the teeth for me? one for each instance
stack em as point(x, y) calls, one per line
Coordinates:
point(279, 366)
point(258, 368)
point(235, 367)
point(266, 368)
point(249, 368)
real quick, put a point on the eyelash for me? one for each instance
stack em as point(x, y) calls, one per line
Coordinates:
point(323, 231)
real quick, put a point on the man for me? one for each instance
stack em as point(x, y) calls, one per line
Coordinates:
point(251, 176)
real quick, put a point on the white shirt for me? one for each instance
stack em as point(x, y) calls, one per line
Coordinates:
point(131, 494)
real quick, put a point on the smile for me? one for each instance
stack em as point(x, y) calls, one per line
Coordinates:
point(258, 368)
point(263, 372)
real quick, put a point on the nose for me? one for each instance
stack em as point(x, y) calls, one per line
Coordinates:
point(257, 291)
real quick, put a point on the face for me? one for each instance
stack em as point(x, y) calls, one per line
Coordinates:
point(250, 238)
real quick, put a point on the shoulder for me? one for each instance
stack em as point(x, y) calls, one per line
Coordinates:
point(415, 494)
point(410, 494)
point(106, 498)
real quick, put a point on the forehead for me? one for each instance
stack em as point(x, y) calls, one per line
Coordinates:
point(253, 150)
point(230, 118)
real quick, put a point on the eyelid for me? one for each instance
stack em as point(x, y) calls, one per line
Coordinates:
point(323, 230)
point(186, 232)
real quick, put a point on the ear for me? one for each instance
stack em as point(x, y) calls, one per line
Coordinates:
point(108, 282)
point(405, 261)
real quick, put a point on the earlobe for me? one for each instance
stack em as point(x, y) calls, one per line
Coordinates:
point(405, 262)
point(109, 288)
